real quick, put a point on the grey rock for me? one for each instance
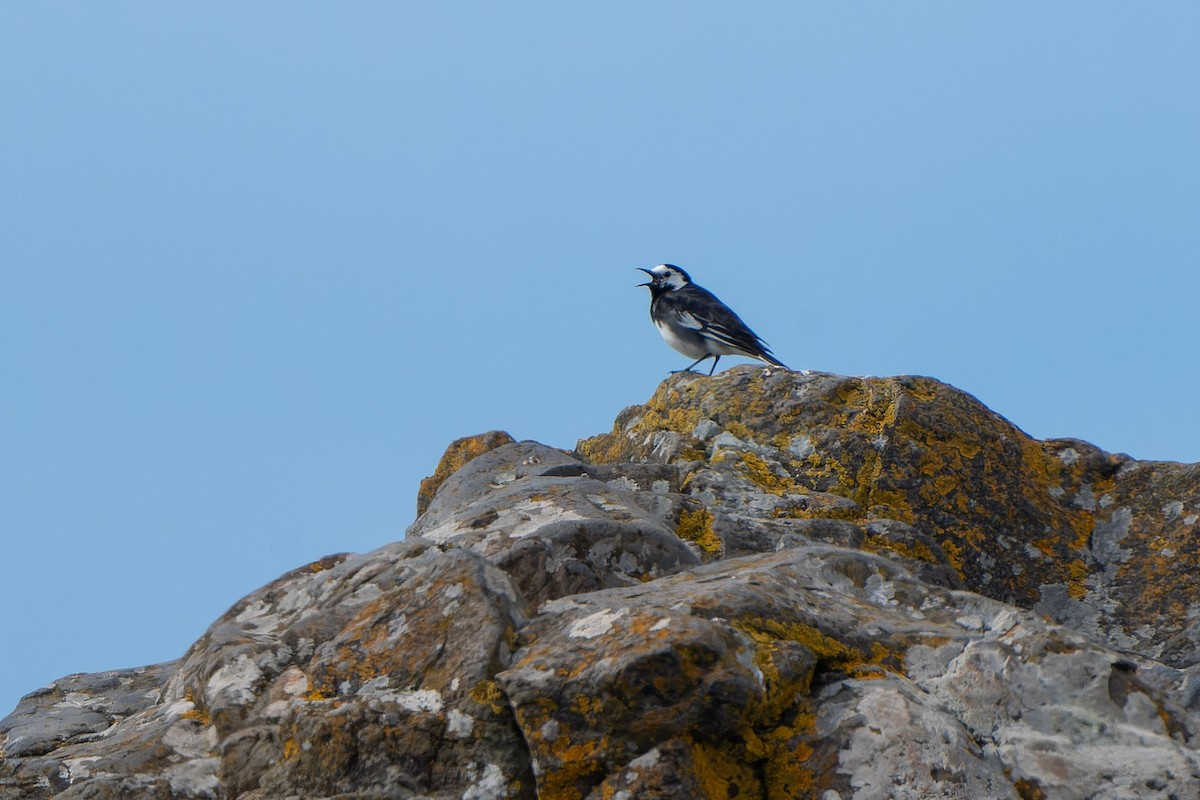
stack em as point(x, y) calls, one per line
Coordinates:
point(557, 526)
point(79, 706)
point(548, 629)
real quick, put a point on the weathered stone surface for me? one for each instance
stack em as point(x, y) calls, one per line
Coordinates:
point(555, 525)
point(79, 706)
point(365, 676)
point(753, 587)
point(1099, 541)
point(460, 452)
point(821, 669)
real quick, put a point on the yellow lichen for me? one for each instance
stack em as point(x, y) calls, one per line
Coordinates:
point(197, 712)
point(764, 630)
point(916, 549)
point(579, 766)
point(315, 694)
point(954, 553)
point(830, 652)
point(739, 430)
point(722, 773)
point(815, 508)
point(587, 706)
point(761, 473)
point(1077, 570)
point(328, 562)
point(488, 693)
point(1046, 545)
point(1029, 789)
point(679, 420)
point(696, 527)
point(290, 749)
point(890, 503)
point(606, 448)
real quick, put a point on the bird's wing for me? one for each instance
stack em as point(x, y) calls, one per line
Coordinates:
point(700, 309)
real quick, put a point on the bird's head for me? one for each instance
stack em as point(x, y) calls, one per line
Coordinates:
point(665, 278)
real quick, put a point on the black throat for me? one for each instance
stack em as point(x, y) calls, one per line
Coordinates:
point(657, 291)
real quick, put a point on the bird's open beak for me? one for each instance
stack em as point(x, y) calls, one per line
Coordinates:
point(648, 272)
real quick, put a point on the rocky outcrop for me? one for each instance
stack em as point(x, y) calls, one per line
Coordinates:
point(1098, 541)
point(762, 584)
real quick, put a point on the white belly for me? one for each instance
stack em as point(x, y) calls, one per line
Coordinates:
point(694, 346)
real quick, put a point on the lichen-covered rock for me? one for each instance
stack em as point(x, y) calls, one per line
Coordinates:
point(367, 675)
point(755, 586)
point(1098, 541)
point(79, 706)
point(819, 669)
point(459, 453)
point(557, 526)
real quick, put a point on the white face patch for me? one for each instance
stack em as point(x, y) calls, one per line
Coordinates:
point(668, 277)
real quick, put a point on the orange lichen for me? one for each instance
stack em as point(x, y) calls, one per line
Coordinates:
point(322, 564)
point(1028, 789)
point(587, 706)
point(1046, 545)
point(577, 767)
point(457, 455)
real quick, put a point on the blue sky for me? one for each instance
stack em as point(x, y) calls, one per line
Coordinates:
point(261, 262)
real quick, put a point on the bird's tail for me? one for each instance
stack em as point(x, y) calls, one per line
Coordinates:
point(770, 359)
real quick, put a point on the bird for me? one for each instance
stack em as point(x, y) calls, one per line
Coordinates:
point(693, 321)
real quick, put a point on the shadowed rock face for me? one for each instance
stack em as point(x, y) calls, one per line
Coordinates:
point(763, 584)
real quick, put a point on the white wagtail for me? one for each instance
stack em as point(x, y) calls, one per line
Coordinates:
point(693, 321)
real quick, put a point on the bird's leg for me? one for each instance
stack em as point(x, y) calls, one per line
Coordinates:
point(716, 358)
point(688, 368)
